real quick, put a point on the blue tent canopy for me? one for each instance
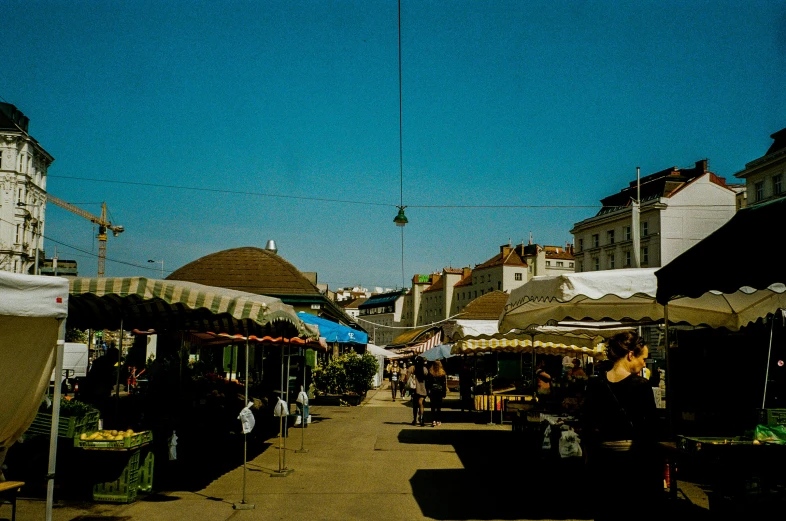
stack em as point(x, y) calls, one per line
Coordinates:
point(439, 352)
point(333, 331)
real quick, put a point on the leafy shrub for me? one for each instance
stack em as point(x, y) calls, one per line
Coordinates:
point(348, 373)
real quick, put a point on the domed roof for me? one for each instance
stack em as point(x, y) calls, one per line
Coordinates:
point(249, 269)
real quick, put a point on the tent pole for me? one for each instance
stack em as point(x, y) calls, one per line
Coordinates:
point(286, 390)
point(303, 410)
point(117, 383)
point(50, 475)
point(769, 355)
point(670, 411)
point(243, 505)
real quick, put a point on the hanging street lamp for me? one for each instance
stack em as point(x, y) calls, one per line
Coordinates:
point(400, 219)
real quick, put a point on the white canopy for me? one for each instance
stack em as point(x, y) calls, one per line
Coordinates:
point(379, 351)
point(627, 295)
point(32, 309)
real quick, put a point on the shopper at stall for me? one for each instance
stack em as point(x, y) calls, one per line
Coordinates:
point(543, 379)
point(419, 393)
point(618, 428)
point(437, 386)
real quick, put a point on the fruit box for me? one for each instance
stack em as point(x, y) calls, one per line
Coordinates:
point(128, 442)
point(67, 427)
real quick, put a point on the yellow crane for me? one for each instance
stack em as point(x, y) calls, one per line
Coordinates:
point(103, 226)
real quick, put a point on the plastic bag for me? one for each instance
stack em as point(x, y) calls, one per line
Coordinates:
point(569, 444)
point(246, 418)
point(302, 398)
point(281, 408)
point(412, 382)
point(770, 434)
point(173, 447)
point(546, 438)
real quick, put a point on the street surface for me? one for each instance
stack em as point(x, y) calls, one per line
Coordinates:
point(369, 462)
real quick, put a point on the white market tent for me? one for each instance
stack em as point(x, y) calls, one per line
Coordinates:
point(628, 295)
point(32, 325)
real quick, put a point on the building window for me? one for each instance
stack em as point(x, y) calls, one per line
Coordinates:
point(581, 244)
point(517, 276)
point(610, 236)
point(560, 264)
point(476, 293)
point(499, 285)
point(777, 184)
point(611, 261)
point(570, 265)
point(548, 263)
point(626, 233)
point(645, 256)
point(759, 189)
point(627, 259)
point(645, 229)
point(580, 267)
point(595, 240)
point(596, 263)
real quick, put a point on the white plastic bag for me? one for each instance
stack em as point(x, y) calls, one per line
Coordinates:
point(281, 408)
point(546, 438)
point(569, 444)
point(302, 398)
point(246, 418)
point(173, 447)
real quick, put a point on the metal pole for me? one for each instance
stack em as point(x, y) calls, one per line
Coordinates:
point(304, 418)
point(282, 470)
point(669, 406)
point(243, 505)
point(117, 384)
point(286, 418)
point(767, 372)
point(50, 475)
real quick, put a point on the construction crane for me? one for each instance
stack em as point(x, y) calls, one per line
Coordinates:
point(103, 226)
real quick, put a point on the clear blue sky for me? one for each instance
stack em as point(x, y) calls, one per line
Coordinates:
point(268, 113)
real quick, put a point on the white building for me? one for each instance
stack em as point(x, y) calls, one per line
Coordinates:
point(764, 177)
point(679, 207)
point(380, 315)
point(23, 170)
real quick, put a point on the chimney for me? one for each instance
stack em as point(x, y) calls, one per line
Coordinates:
point(701, 166)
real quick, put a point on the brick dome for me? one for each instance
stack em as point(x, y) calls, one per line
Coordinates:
point(249, 269)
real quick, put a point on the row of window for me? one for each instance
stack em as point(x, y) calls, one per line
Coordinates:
point(560, 264)
point(611, 260)
point(776, 187)
point(610, 239)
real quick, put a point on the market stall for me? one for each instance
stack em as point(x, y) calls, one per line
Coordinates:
point(162, 305)
point(742, 469)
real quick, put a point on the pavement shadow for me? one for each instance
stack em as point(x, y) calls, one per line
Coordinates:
point(500, 479)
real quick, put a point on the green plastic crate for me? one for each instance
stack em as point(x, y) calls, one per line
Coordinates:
point(146, 473)
point(772, 416)
point(124, 488)
point(67, 427)
point(130, 442)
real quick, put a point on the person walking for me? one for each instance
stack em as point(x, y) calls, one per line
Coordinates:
point(395, 378)
point(437, 390)
point(419, 392)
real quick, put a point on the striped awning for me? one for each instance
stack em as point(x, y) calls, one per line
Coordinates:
point(540, 344)
point(211, 338)
point(161, 305)
point(423, 346)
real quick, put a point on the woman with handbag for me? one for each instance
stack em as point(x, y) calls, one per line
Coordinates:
point(618, 427)
point(437, 389)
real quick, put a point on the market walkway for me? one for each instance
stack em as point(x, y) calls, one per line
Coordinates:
point(368, 462)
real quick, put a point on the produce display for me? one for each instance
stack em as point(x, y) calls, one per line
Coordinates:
point(112, 439)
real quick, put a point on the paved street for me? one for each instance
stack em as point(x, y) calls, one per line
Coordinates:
point(368, 462)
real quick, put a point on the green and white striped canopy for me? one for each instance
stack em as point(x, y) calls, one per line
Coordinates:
point(163, 305)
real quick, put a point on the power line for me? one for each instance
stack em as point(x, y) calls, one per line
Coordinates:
point(367, 203)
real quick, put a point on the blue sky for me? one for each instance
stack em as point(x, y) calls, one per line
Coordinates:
point(206, 126)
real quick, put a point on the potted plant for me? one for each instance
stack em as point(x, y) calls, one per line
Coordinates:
point(349, 376)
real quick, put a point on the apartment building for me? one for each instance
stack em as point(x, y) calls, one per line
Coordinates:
point(23, 170)
point(678, 208)
point(381, 316)
point(764, 177)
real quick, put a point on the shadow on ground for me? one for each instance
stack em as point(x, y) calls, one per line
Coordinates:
point(505, 478)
